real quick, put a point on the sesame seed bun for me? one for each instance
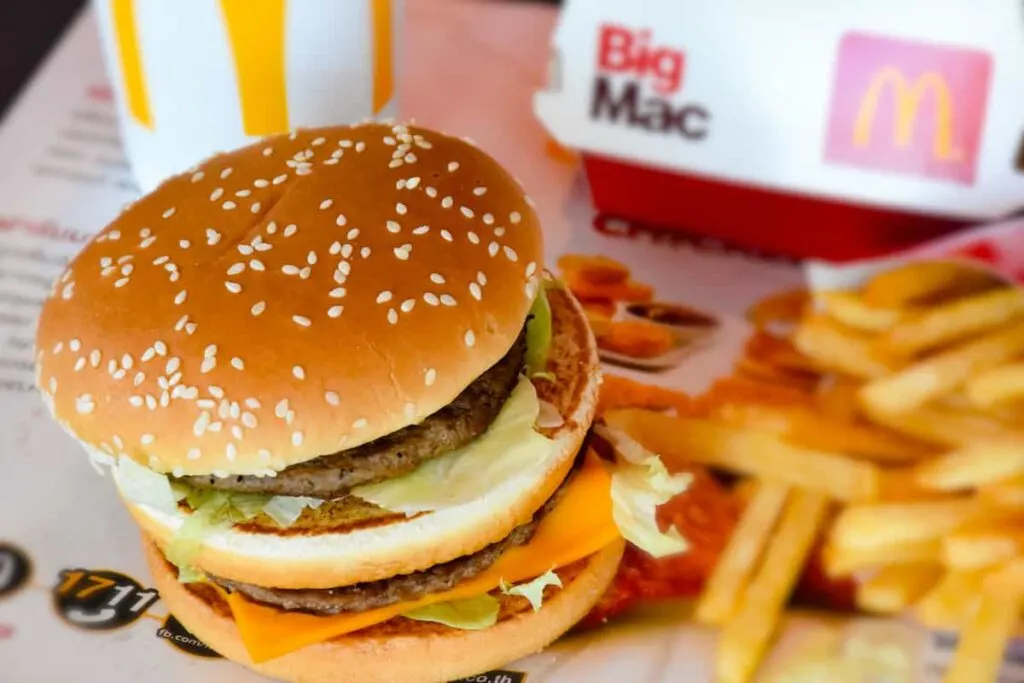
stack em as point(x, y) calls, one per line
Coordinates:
point(294, 298)
point(336, 558)
point(399, 650)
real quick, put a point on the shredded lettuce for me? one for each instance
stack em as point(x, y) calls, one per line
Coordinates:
point(470, 614)
point(510, 446)
point(144, 486)
point(286, 510)
point(640, 483)
point(533, 590)
point(538, 335)
point(190, 574)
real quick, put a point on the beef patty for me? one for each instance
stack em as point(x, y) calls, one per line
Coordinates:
point(373, 594)
point(450, 428)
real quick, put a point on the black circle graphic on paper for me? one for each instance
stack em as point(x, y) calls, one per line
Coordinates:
point(180, 637)
point(15, 569)
point(100, 599)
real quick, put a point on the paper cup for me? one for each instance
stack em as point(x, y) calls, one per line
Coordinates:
point(195, 78)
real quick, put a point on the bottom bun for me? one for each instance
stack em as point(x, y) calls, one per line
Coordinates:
point(411, 652)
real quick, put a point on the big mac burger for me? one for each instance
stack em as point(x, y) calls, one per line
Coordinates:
point(347, 408)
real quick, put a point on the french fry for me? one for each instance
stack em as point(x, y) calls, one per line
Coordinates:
point(1008, 494)
point(914, 386)
point(736, 564)
point(983, 547)
point(746, 635)
point(896, 587)
point(900, 485)
point(836, 397)
point(838, 348)
point(997, 385)
point(943, 426)
point(851, 310)
point(979, 654)
point(873, 526)
point(782, 308)
point(951, 600)
point(977, 464)
point(842, 561)
point(748, 452)
point(804, 427)
point(922, 281)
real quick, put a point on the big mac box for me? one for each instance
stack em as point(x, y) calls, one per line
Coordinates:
point(837, 132)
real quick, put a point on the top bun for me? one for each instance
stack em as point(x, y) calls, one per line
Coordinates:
point(294, 298)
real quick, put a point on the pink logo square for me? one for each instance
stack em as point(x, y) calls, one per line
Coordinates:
point(909, 107)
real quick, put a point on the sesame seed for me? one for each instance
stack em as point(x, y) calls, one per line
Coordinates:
point(302, 320)
point(470, 338)
point(193, 454)
point(429, 376)
point(488, 219)
point(267, 151)
point(208, 365)
point(252, 403)
point(499, 232)
point(264, 454)
point(236, 269)
point(352, 234)
point(281, 409)
point(184, 244)
point(384, 297)
point(210, 351)
point(412, 183)
point(402, 252)
point(341, 220)
point(296, 439)
point(335, 248)
point(122, 282)
point(332, 398)
point(393, 227)
point(237, 363)
point(346, 252)
point(339, 277)
point(466, 211)
point(298, 372)
point(233, 287)
point(150, 402)
point(447, 202)
point(335, 311)
point(231, 451)
point(109, 270)
point(337, 293)
point(344, 143)
point(79, 364)
point(289, 269)
point(228, 205)
point(215, 427)
point(364, 252)
point(511, 254)
point(431, 299)
point(447, 236)
point(168, 213)
point(359, 424)
point(407, 305)
point(249, 420)
point(243, 193)
point(448, 300)
point(422, 230)
point(392, 316)
point(255, 208)
point(197, 176)
point(84, 404)
point(201, 424)
point(437, 278)
point(290, 230)
point(479, 191)
point(492, 248)
point(226, 172)
point(215, 391)
point(475, 290)
point(280, 179)
point(529, 202)
point(410, 410)
point(515, 217)
point(256, 264)
point(172, 366)
point(431, 192)
point(318, 141)
point(360, 146)
point(258, 308)
point(136, 401)
point(217, 194)
point(305, 273)
point(453, 166)
point(161, 348)
point(401, 209)
point(311, 258)
point(410, 158)
point(531, 268)
point(395, 163)
point(473, 237)
point(260, 182)
point(271, 228)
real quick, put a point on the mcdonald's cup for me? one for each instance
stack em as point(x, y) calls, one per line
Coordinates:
point(195, 78)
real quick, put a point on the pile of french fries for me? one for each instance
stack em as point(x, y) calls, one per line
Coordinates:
point(906, 458)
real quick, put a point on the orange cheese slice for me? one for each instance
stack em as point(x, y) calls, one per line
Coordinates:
point(580, 525)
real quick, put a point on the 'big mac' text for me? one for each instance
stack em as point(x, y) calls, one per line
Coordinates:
point(654, 69)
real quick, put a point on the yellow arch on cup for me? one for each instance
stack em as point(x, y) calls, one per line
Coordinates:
point(256, 35)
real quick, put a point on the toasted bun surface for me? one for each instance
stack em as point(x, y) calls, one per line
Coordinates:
point(412, 544)
point(409, 652)
point(290, 299)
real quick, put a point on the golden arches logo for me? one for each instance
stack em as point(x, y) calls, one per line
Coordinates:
point(907, 98)
point(256, 38)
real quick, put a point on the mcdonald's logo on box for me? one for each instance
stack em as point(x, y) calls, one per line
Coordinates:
point(908, 107)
